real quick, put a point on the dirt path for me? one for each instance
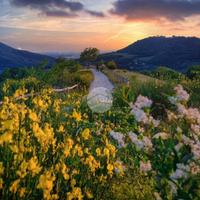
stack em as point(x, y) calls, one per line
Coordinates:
point(100, 80)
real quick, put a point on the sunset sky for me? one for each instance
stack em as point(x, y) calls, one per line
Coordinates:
point(63, 25)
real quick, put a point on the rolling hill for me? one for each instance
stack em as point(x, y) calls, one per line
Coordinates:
point(11, 57)
point(177, 53)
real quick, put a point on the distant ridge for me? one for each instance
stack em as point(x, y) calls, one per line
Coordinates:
point(177, 53)
point(11, 57)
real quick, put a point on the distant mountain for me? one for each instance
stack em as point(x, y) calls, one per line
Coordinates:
point(177, 53)
point(11, 57)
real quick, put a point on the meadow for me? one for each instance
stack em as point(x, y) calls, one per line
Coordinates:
point(52, 146)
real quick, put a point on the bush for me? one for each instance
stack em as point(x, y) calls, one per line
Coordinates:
point(84, 78)
point(111, 65)
point(194, 72)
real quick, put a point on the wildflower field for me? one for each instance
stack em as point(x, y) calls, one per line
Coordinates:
point(52, 146)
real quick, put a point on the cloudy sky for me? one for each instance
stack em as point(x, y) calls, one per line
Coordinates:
point(64, 25)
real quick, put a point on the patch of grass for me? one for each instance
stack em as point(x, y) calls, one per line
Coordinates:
point(120, 76)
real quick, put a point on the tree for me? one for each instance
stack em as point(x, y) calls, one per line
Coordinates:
point(89, 55)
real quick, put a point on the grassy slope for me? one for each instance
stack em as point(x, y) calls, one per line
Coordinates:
point(119, 76)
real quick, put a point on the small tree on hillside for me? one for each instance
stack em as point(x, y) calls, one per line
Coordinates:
point(89, 55)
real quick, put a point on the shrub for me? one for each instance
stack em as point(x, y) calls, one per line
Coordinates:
point(111, 65)
point(84, 78)
point(194, 72)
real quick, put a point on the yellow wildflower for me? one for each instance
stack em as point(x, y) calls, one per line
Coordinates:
point(86, 134)
point(89, 195)
point(61, 129)
point(110, 169)
point(75, 194)
point(70, 143)
point(33, 116)
point(46, 184)
point(106, 152)
point(98, 151)
point(22, 169)
point(14, 186)
point(6, 138)
point(22, 192)
point(76, 116)
point(64, 171)
point(33, 166)
point(93, 164)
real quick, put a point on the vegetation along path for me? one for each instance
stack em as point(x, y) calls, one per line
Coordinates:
point(100, 80)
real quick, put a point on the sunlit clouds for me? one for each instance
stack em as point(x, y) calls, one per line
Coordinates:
point(91, 23)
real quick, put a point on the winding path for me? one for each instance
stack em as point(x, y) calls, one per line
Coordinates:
point(100, 80)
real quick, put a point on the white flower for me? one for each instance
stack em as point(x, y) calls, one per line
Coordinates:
point(139, 115)
point(161, 135)
point(119, 137)
point(134, 138)
point(145, 166)
point(144, 143)
point(181, 172)
point(143, 102)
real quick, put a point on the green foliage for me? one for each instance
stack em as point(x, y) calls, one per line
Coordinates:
point(30, 83)
point(164, 73)
point(194, 72)
point(133, 185)
point(84, 78)
point(89, 54)
point(111, 65)
point(154, 90)
point(63, 74)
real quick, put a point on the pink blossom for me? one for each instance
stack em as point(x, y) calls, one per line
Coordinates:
point(196, 129)
point(147, 143)
point(143, 102)
point(181, 94)
point(145, 166)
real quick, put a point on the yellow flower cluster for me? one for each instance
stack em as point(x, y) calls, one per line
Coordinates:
point(49, 152)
